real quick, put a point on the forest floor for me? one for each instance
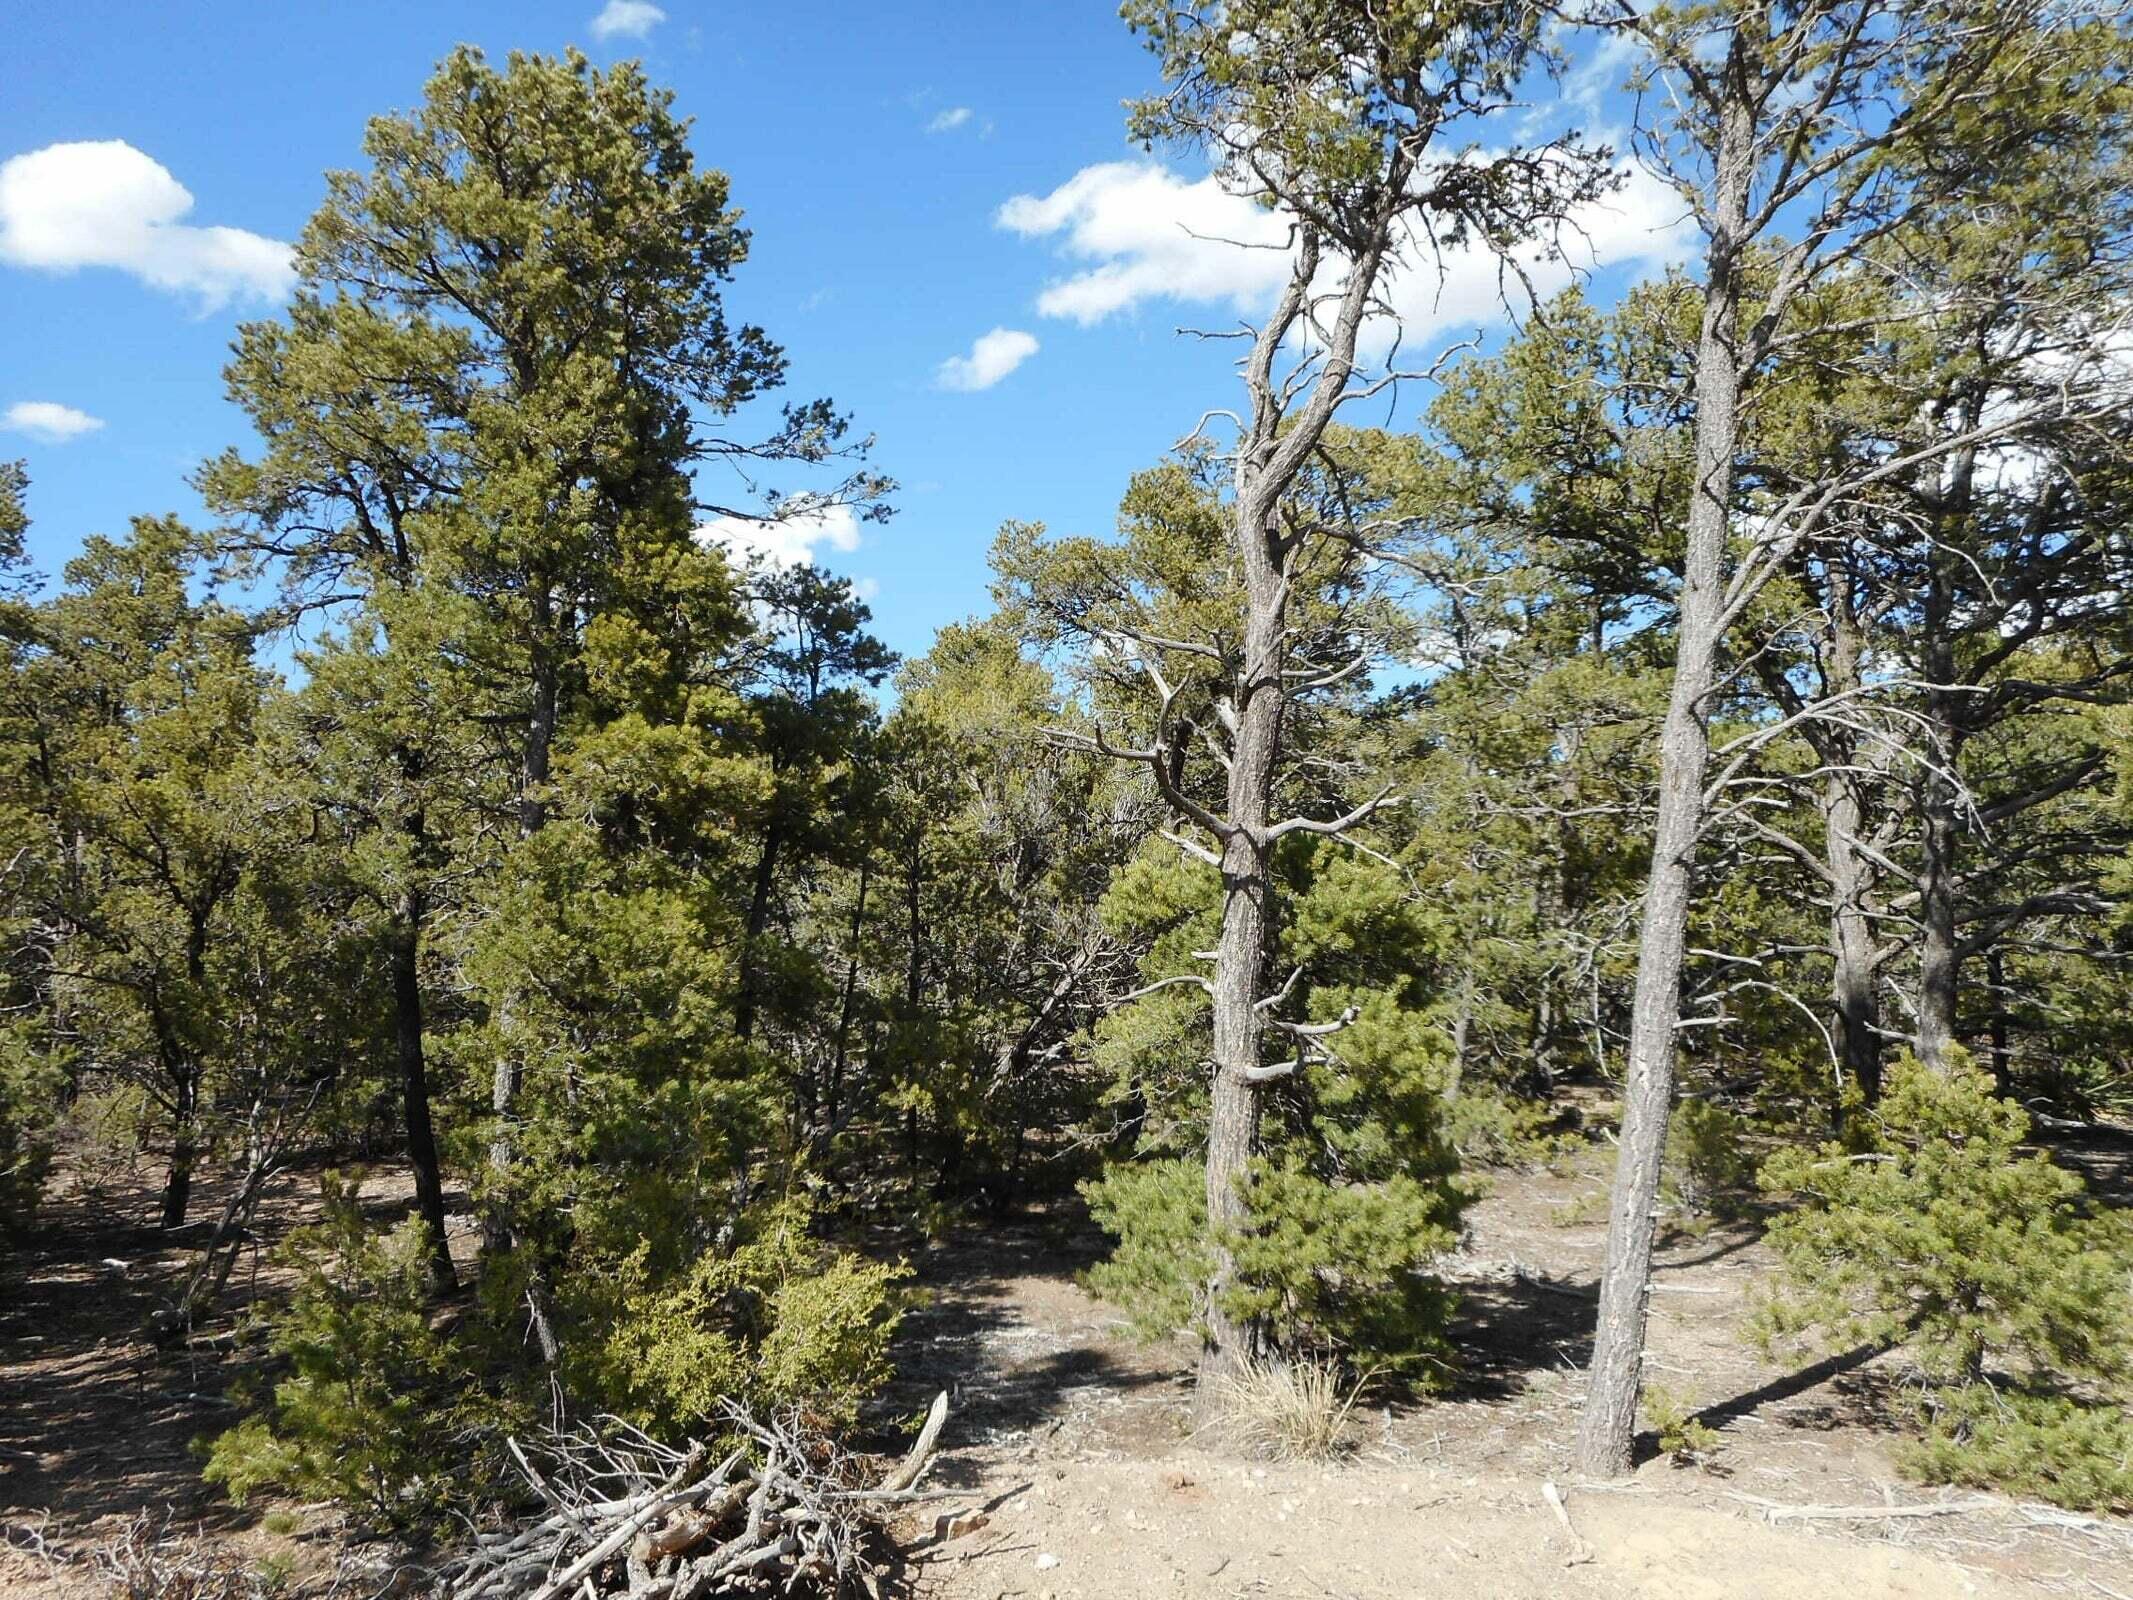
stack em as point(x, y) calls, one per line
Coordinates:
point(1069, 1440)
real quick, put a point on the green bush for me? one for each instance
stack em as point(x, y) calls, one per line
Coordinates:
point(780, 1319)
point(2049, 1446)
point(1493, 1130)
point(1354, 1191)
point(1332, 1268)
point(1995, 1271)
point(1684, 1439)
point(369, 1407)
point(30, 1084)
point(389, 1406)
point(1708, 1164)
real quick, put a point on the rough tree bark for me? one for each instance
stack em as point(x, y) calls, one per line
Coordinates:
point(1940, 954)
point(1240, 960)
point(499, 1230)
point(1608, 1424)
point(178, 1184)
point(1270, 457)
point(1854, 956)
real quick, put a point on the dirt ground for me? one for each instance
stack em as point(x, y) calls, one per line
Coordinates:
point(1073, 1444)
point(1068, 1440)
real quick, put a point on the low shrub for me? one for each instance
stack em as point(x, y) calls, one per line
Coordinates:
point(1709, 1167)
point(1683, 1439)
point(1493, 1130)
point(2009, 1288)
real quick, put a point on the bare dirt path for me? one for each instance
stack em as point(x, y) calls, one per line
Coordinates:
point(1070, 1444)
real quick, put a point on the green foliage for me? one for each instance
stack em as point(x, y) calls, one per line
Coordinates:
point(1683, 1438)
point(31, 1081)
point(374, 1404)
point(778, 1318)
point(1939, 1235)
point(1157, 1211)
point(1709, 1166)
point(1337, 1269)
point(2045, 1446)
point(1498, 1130)
point(2011, 1292)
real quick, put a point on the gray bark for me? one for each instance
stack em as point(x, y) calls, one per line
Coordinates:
point(1608, 1424)
point(1240, 962)
point(1854, 959)
point(1940, 953)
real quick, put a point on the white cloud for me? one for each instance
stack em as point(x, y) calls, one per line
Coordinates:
point(48, 421)
point(788, 540)
point(950, 120)
point(103, 203)
point(991, 358)
point(626, 19)
point(1152, 236)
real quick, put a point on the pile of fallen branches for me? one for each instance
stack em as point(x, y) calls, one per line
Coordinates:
point(624, 1515)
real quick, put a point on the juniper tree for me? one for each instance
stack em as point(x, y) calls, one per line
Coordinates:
point(148, 813)
point(32, 1064)
point(507, 349)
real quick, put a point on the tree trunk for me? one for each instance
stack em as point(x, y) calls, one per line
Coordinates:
point(1854, 992)
point(1240, 960)
point(1608, 1425)
point(1939, 818)
point(499, 1228)
point(840, 1055)
point(2002, 1050)
point(406, 954)
point(747, 995)
point(178, 1186)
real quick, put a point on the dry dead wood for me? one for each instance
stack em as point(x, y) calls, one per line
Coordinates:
point(630, 1518)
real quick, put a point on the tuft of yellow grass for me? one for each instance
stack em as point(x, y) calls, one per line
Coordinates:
point(1288, 1410)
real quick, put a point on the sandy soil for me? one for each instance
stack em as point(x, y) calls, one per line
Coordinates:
point(1070, 1464)
point(1073, 1446)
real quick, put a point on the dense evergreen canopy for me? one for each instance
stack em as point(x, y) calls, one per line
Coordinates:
point(1717, 698)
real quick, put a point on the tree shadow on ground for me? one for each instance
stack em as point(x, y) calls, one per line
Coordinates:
point(1006, 1374)
point(96, 1419)
point(1504, 1330)
point(1856, 1399)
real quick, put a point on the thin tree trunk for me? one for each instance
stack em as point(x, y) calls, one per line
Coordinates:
point(2002, 1050)
point(1854, 989)
point(1939, 821)
point(747, 995)
point(1240, 960)
point(178, 1185)
point(1854, 992)
point(499, 1229)
point(840, 1054)
point(406, 955)
point(914, 972)
point(1608, 1425)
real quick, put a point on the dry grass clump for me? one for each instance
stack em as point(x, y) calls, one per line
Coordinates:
point(1288, 1410)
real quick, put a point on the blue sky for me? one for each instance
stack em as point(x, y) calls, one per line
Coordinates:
point(928, 184)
